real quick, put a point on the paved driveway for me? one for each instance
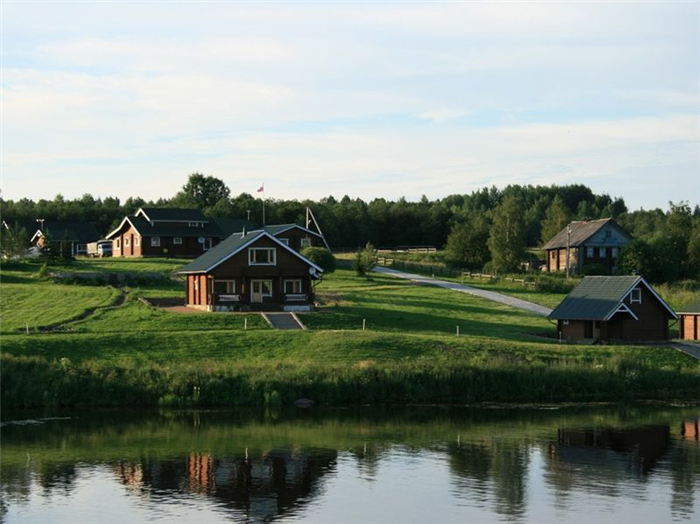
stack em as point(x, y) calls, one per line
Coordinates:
point(462, 288)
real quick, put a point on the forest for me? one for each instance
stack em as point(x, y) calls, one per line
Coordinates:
point(467, 225)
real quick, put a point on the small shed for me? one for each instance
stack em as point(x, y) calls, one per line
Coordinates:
point(624, 308)
point(689, 322)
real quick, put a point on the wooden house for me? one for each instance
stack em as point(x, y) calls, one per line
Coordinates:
point(611, 308)
point(253, 270)
point(155, 232)
point(689, 322)
point(588, 242)
point(65, 237)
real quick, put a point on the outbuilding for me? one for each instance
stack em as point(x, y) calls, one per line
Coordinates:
point(689, 322)
point(613, 308)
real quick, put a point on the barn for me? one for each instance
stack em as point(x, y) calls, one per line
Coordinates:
point(613, 308)
point(689, 322)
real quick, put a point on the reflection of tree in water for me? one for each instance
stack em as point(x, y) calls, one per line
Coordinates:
point(684, 460)
point(497, 470)
point(255, 489)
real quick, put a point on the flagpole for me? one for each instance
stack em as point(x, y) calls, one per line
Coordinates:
point(263, 192)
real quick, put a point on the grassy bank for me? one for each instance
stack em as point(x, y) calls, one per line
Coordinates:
point(137, 355)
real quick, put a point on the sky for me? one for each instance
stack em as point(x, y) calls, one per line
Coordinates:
point(366, 99)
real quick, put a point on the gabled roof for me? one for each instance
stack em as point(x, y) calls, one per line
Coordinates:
point(600, 297)
point(692, 309)
point(232, 245)
point(580, 232)
point(81, 232)
point(281, 228)
point(229, 226)
point(144, 228)
point(172, 214)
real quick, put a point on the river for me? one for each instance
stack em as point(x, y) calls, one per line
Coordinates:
point(422, 464)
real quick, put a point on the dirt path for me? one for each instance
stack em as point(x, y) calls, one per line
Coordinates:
point(462, 288)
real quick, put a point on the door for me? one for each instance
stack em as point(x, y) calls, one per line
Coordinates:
point(259, 289)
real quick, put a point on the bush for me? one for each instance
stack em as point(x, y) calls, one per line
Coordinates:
point(365, 260)
point(321, 257)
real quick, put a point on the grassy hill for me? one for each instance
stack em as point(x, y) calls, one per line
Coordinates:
point(109, 348)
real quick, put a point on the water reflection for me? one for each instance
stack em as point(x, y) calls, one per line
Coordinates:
point(513, 465)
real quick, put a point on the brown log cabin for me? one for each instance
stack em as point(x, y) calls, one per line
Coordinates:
point(613, 308)
point(157, 232)
point(247, 271)
point(590, 242)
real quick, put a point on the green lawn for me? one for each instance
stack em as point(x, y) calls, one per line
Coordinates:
point(125, 265)
point(409, 350)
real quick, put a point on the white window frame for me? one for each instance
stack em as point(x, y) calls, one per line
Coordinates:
point(118, 243)
point(196, 224)
point(293, 291)
point(230, 286)
point(137, 241)
point(564, 322)
point(636, 296)
point(82, 248)
point(127, 242)
point(285, 241)
point(603, 252)
point(251, 256)
point(206, 246)
point(589, 252)
point(155, 241)
point(177, 241)
point(305, 242)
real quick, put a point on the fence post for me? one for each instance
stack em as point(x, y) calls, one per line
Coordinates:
point(245, 323)
point(457, 330)
point(364, 324)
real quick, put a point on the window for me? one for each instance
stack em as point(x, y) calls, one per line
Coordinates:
point(196, 224)
point(589, 252)
point(262, 256)
point(119, 243)
point(206, 245)
point(603, 252)
point(615, 252)
point(292, 286)
point(305, 242)
point(565, 322)
point(285, 241)
point(82, 248)
point(224, 287)
point(177, 241)
point(155, 241)
point(127, 242)
point(137, 241)
point(636, 296)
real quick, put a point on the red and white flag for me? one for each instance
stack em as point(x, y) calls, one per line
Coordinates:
point(261, 189)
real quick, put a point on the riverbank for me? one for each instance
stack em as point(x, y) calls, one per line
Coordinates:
point(135, 355)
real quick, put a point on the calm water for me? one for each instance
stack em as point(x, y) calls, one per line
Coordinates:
point(568, 465)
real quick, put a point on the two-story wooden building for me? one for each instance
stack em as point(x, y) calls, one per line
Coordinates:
point(589, 242)
point(157, 232)
point(295, 236)
point(611, 308)
point(253, 270)
point(66, 237)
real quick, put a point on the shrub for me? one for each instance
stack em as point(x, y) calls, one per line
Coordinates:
point(321, 257)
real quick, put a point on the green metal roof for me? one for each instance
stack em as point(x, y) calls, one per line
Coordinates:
point(693, 308)
point(595, 298)
point(229, 226)
point(280, 228)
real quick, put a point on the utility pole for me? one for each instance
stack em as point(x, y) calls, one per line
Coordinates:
point(41, 221)
point(568, 248)
point(248, 211)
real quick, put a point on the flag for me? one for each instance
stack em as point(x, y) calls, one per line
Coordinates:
point(261, 189)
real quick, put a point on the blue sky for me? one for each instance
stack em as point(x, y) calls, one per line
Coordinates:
point(365, 99)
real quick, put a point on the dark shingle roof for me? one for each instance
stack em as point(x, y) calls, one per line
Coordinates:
point(595, 298)
point(227, 247)
point(81, 232)
point(692, 308)
point(229, 226)
point(218, 252)
point(174, 214)
point(580, 232)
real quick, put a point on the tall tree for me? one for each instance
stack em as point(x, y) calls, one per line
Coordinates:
point(556, 218)
point(507, 240)
point(466, 244)
point(201, 192)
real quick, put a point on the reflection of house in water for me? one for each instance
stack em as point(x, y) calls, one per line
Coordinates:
point(636, 450)
point(689, 429)
point(254, 489)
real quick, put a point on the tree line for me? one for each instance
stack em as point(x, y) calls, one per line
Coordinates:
point(489, 226)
